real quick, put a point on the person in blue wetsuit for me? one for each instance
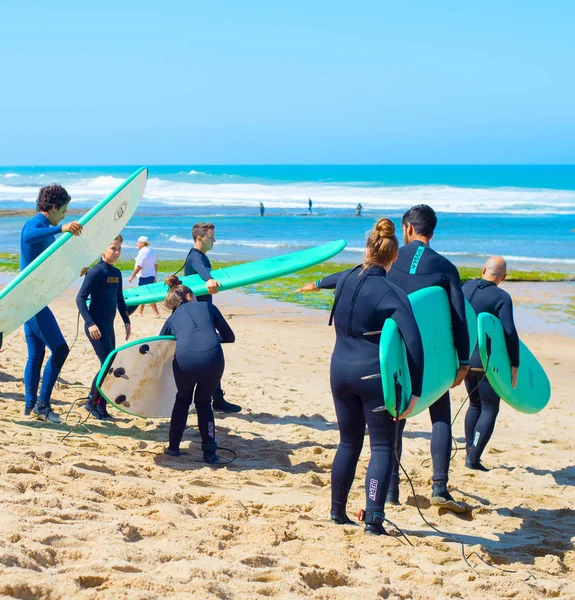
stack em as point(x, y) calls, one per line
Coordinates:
point(199, 329)
point(364, 299)
point(418, 266)
point(42, 330)
point(103, 287)
point(484, 295)
point(197, 262)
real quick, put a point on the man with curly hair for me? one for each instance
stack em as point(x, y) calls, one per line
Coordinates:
point(42, 330)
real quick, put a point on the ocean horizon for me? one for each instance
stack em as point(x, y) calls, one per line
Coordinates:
point(524, 212)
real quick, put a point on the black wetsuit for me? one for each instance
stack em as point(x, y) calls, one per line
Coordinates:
point(418, 266)
point(485, 296)
point(103, 285)
point(198, 262)
point(364, 300)
point(198, 365)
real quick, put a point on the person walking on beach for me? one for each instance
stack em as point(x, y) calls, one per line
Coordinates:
point(199, 329)
point(146, 270)
point(204, 238)
point(364, 300)
point(418, 267)
point(484, 295)
point(309, 205)
point(358, 210)
point(103, 287)
point(262, 209)
point(42, 329)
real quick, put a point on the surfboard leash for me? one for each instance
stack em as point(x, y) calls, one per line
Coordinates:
point(465, 557)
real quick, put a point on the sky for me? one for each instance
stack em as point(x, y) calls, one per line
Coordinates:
point(287, 82)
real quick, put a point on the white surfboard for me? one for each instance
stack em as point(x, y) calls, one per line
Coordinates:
point(137, 378)
point(59, 266)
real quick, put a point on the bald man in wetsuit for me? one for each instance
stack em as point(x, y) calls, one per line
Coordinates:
point(485, 295)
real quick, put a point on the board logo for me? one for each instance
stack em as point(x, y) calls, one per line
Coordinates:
point(121, 210)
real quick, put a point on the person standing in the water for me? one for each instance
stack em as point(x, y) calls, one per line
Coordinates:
point(309, 205)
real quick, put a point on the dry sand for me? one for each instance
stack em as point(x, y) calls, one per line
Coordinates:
point(107, 515)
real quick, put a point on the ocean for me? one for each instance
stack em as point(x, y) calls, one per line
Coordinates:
point(525, 213)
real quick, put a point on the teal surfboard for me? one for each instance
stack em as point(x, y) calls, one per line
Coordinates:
point(240, 275)
point(137, 378)
point(533, 390)
point(432, 313)
point(59, 266)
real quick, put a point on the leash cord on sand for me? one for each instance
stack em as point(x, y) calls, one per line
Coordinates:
point(439, 531)
point(59, 382)
point(80, 423)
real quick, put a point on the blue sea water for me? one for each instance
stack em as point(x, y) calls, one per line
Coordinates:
point(525, 213)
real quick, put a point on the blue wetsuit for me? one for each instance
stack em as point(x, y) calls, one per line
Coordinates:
point(418, 266)
point(198, 262)
point(364, 300)
point(42, 329)
point(103, 285)
point(485, 296)
point(198, 365)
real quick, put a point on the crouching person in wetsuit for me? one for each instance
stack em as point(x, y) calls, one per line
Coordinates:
point(198, 363)
point(103, 286)
point(42, 330)
point(484, 295)
point(418, 266)
point(364, 299)
point(197, 262)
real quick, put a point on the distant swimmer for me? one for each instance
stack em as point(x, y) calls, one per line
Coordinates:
point(484, 295)
point(309, 205)
point(146, 270)
point(42, 330)
point(364, 300)
point(204, 238)
point(358, 210)
point(102, 287)
point(262, 209)
point(418, 266)
point(199, 329)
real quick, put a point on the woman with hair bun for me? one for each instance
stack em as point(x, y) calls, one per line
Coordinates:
point(198, 363)
point(364, 299)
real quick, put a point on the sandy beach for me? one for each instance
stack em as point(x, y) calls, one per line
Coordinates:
point(105, 514)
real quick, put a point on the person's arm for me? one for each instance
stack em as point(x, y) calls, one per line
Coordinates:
point(402, 314)
point(134, 273)
point(511, 336)
point(90, 281)
point(225, 331)
point(31, 235)
point(122, 308)
point(199, 267)
point(326, 283)
point(459, 324)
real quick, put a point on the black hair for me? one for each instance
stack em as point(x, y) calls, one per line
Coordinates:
point(52, 196)
point(423, 219)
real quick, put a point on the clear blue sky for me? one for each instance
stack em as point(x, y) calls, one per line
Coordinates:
point(287, 81)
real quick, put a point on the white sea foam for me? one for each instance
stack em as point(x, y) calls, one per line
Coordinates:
point(10, 175)
point(325, 196)
point(188, 241)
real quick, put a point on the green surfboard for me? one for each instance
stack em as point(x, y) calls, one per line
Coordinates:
point(240, 275)
point(533, 390)
point(60, 264)
point(432, 313)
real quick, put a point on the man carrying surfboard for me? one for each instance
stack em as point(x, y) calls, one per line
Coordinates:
point(485, 296)
point(42, 330)
point(418, 267)
point(204, 238)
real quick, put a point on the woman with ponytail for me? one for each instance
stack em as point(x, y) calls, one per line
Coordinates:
point(364, 299)
point(199, 329)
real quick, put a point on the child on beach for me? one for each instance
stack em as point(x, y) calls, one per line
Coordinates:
point(198, 363)
point(103, 285)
